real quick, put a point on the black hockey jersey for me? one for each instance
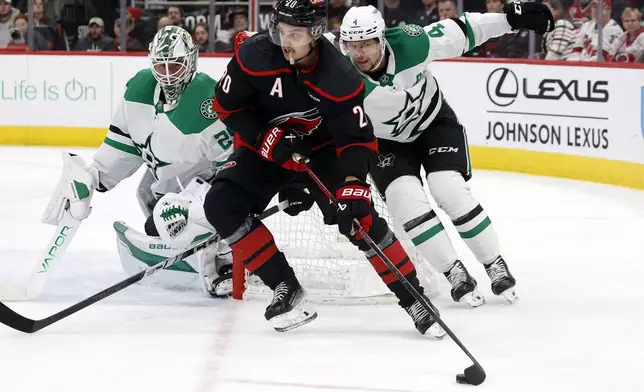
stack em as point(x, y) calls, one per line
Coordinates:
point(322, 105)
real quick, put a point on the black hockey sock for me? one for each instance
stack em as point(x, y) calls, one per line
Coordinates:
point(401, 260)
point(260, 256)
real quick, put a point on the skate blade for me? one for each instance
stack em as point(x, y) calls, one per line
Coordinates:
point(473, 299)
point(435, 332)
point(286, 322)
point(510, 295)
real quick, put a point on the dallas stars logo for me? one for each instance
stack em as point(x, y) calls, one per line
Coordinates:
point(206, 109)
point(410, 112)
point(149, 158)
point(386, 160)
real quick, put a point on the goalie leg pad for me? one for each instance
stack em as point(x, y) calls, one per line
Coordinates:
point(453, 195)
point(407, 202)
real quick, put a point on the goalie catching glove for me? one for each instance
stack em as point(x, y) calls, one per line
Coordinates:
point(180, 218)
point(74, 190)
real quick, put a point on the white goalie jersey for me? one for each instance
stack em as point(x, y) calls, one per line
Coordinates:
point(175, 141)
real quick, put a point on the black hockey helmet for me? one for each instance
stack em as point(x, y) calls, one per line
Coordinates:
point(311, 14)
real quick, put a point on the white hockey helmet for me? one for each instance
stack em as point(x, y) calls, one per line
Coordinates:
point(362, 24)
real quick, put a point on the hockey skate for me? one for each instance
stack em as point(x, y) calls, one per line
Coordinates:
point(216, 271)
point(464, 286)
point(502, 281)
point(424, 321)
point(288, 309)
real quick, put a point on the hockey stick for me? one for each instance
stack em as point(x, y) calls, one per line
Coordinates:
point(474, 374)
point(14, 320)
point(48, 261)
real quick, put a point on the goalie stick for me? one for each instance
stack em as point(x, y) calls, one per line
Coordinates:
point(474, 374)
point(46, 264)
point(16, 321)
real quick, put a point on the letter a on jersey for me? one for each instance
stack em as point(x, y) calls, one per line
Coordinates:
point(277, 88)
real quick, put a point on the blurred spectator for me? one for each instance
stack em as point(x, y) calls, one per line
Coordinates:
point(44, 24)
point(175, 13)
point(629, 47)
point(131, 44)
point(201, 36)
point(514, 45)
point(447, 9)
point(429, 14)
point(240, 20)
point(163, 22)
point(334, 25)
point(474, 6)
point(7, 16)
point(139, 30)
point(394, 16)
point(495, 6)
point(19, 34)
point(490, 47)
point(586, 42)
point(96, 40)
point(557, 44)
point(337, 9)
point(579, 14)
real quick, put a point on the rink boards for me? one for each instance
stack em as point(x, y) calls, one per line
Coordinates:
point(582, 122)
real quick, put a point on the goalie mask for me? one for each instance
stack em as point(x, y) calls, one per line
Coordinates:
point(362, 37)
point(173, 59)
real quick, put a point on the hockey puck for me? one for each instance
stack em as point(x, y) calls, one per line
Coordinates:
point(460, 378)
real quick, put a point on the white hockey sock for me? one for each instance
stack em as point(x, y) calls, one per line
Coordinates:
point(479, 234)
point(453, 195)
point(407, 202)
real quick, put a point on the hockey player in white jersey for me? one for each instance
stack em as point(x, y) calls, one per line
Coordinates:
point(416, 127)
point(165, 121)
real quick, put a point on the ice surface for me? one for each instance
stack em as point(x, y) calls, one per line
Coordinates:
point(575, 248)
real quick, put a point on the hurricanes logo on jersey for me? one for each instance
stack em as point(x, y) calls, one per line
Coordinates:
point(410, 112)
point(206, 109)
point(302, 123)
point(412, 30)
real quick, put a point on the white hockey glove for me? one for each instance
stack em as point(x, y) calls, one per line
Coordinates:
point(74, 190)
point(180, 218)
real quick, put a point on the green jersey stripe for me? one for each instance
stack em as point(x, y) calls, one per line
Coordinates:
point(121, 147)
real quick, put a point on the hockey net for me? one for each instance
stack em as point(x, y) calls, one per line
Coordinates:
point(327, 265)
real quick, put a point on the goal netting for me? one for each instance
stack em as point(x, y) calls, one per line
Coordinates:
point(327, 265)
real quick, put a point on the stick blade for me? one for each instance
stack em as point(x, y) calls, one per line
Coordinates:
point(474, 375)
point(13, 320)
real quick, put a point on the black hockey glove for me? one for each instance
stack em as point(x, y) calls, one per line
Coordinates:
point(299, 200)
point(354, 201)
point(531, 16)
point(278, 145)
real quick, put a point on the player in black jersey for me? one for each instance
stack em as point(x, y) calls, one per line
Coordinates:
point(288, 91)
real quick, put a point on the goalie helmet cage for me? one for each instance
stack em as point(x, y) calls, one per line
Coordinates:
point(329, 267)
